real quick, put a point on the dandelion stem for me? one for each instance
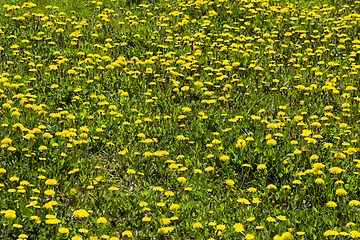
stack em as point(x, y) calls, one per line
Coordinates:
point(7, 230)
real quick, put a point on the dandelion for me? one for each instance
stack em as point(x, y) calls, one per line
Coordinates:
point(230, 182)
point(81, 213)
point(197, 225)
point(63, 230)
point(166, 221)
point(101, 220)
point(52, 221)
point(76, 237)
point(287, 235)
point(209, 169)
point(271, 142)
point(351, 151)
point(220, 227)
point(23, 236)
point(14, 179)
point(331, 233)
point(113, 188)
point(9, 214)
point(51, 182)
point(354, 234)
point(340, 155)
point(163, 230)
point(328, 145)
point(174, 207)
point(350, 224)
point(143, 204)
point(186, 109)
point(36, 219)
point(42, 148)
point(298, 182)
point(354, 203)
point(250, 219)
point(244, 201)
point(212, 13)
point(261, 166)
point(271, 186)
point(249, 236)
point(341, 192)
point(169, 193)
point(224, 158)
point(159, 189)
point(241, 143)
point(130, 171)
point(318, 165)
point(181, 179)
point(6, 141)
point(319, 181)
point(331, 204)
point(160, 204)
point(49, 192)
point(238, 227)
point(126, 233)
point(336, 170)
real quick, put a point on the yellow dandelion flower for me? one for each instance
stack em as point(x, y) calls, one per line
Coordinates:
point(230, 182)
point(81, 213)
point(126, 233)
point(238, 227)
point(197, 225)
point(331, 204)
point(63, 230)
point(101, 220)
point(249, 236)
point(271, 142)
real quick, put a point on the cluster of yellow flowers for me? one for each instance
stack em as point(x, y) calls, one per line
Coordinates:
point(182, 119)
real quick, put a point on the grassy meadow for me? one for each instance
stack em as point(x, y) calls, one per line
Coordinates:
point(179, 119)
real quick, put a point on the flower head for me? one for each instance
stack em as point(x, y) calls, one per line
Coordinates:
point(249, 236)
point(271, 142)
point(63, 230)
point(197, 225)
point(181, 179)
point(281, 218)
point(9, 213)
point(51, 182)
point(101, 220)
point(81, 213)
point(174, 207)
point(331, 204)
point(126, 233)
point(230, 182)
point(341, 192)
point(238, 227)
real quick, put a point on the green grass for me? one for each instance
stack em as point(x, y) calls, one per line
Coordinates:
point(179, 119)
